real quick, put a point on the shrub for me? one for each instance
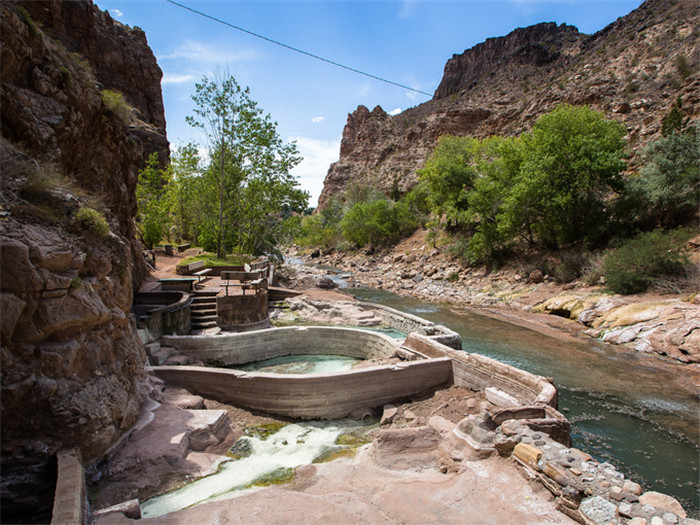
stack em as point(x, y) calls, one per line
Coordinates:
point(634, 266)
point(379, 222)
point(115, 102)
point(684, 69)
point(93, 221)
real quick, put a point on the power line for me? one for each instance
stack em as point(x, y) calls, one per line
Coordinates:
point(297, 50)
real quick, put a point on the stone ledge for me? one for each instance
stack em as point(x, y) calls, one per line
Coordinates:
point(69, 500)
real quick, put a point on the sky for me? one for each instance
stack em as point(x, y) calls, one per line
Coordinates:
point(405, 41)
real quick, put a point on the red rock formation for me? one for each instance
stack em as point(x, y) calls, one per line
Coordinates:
point(73, 368)
point(631, 70)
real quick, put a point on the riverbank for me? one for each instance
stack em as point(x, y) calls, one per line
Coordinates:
point(667, 325)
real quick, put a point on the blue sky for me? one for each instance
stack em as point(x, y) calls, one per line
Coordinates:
point(406, 41)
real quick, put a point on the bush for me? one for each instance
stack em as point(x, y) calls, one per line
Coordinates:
point(379, 222)
point(635, 266)
point(93, 221)
point(115, 102)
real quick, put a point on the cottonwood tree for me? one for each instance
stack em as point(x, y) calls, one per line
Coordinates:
point(153, 208)
point(248, 180)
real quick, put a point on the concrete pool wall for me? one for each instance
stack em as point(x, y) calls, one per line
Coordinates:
point(479, 372)
point(240, 348)
point(319, 396)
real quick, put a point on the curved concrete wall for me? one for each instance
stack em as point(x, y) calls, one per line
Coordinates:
point(162, 313)
point(236, 349)
point(408, 323)
point(480, 372)
point(325, 396)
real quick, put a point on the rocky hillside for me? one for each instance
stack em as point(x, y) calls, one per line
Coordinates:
point(81, 108)
point(633, 70)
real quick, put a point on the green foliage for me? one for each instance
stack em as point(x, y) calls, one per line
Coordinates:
point(66, 77)
point(378, 222)
point(571, 163)
point(674, 121)
point(211, 260)
point(247, 192)
point(449, 175)
point(75, 283)
point(683, 67)
point(669, 180)
point(28, 20)
point(93, 221)
point(322, 228)
point(634, 266)
point(550, 187)
point(115, 103)
point(153, 207)
point(182, 192)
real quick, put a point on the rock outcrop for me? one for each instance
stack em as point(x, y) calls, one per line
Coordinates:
point(633, 70)
point(81, 108)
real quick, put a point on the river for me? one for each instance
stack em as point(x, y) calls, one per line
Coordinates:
point(624, 408)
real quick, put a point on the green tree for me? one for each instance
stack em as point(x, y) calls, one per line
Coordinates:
point(449, 174)
point(248, 180)
point(378, 222)
point(572, 163)
point(669, 180)
point(493, 229)
point(182, 190)
point(153, 208)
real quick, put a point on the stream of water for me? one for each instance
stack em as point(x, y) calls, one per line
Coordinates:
point(623, 409)
point(265, 458)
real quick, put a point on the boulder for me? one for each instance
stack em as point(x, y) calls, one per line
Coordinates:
point(663, 502)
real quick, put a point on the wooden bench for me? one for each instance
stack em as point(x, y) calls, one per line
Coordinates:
point(252, 280)
point(183, 247)
point(197, 268)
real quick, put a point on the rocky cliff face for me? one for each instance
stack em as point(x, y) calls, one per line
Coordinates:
point(72, 365)
point(633, 71)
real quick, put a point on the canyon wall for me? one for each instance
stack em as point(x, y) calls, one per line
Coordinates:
point(633, 70)
point(81, 108)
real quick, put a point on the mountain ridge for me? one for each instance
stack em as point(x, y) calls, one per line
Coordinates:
point(633, 70)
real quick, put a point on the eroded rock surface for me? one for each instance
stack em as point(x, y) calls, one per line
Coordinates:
point(72, 365)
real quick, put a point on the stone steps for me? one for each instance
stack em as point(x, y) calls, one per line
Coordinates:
point(203, 310)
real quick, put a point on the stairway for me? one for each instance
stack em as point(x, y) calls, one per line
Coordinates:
point(203, 309)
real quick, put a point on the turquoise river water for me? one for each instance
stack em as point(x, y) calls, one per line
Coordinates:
point(625, 407)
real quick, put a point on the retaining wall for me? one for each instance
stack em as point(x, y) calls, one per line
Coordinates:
point(479, 372)
point(325, 396)
point(408, 323)
point(241, 313)
point(161, 313)
point(236, 349)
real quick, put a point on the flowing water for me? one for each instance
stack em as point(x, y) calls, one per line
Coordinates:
point(267, 459)
point(623, 407)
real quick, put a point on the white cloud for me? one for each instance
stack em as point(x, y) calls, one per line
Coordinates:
point(175, 78)
point(318, 156)
point(395, 111)
point(317, 120)
point(117, 13)
point(406, 8)
point(205, 54)
point(364, 90)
